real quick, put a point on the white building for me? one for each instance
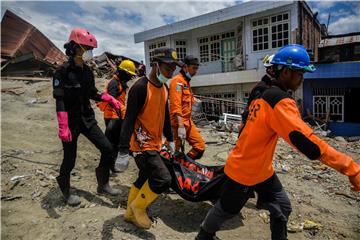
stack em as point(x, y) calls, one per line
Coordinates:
point(231, 43)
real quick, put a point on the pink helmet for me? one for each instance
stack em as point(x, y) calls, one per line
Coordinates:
point(83, 37)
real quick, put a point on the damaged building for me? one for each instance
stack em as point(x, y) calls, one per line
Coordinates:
point(25, 51)
point(332, 92)
point(232, 42)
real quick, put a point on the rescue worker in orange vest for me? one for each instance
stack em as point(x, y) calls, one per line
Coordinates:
point(249, 166)
point(181, 100)
point(147, 119)
point(113, 119)
point(73, 87)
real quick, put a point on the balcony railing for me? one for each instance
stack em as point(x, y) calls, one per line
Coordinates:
point(214, 108)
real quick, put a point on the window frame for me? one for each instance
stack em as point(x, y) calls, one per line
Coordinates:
point(268, 23)
point(155, 45)
point(181, 48)
point(210, 46)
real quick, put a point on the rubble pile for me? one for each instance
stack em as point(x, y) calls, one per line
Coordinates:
point(105, 65)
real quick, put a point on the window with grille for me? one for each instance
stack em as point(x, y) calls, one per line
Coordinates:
point(180, 46)
point(270, 32)
point(154, 46)
point(209, 47)
point(204, 49)
point(215, 51)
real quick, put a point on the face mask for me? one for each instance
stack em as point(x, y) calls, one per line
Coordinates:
point(187, 74)
point(87, 55)
point(160, 76)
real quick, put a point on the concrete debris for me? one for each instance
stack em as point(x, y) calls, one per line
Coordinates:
point(295, 227)
point(19, 177)
point(31, 102)
point(106, 64)
point(265, 217)
point(308, 225)
point(13, 90)
point(10, 198)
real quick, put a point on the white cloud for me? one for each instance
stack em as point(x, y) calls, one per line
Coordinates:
point(345, 25)
point(114, 33)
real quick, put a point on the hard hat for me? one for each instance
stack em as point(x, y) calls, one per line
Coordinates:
point(295, 57)
point(267, 59)
point(128, 66)
point(83, 37)
point(191, 60)
point(166, 55)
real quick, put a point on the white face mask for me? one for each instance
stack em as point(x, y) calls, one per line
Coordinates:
point(87, 55)
point(160, 76)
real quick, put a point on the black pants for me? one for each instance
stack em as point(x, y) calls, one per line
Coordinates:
point(234, 197)
point(97, 137)
point(112, 132)
point(152, 168)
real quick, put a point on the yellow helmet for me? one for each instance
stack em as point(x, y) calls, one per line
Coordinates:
point(267, 60)
point(128, 66)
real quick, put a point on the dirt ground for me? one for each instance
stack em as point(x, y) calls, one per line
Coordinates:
point(32, 208)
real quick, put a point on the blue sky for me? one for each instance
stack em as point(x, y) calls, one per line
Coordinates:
point(114, 23)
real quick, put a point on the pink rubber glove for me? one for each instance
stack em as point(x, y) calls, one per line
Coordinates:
point(64, 131)
point(110, 99)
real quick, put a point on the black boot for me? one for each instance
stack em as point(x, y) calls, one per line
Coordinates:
point(203, 235)
point(64, 184)
point(102, 176)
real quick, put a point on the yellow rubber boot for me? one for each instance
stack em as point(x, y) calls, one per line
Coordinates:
point(132, 195)
point(143, 199)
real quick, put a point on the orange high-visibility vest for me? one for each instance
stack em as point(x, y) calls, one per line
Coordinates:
point(109, 111)
point(149, 124)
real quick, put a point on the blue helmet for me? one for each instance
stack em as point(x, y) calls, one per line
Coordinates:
point(295, 57)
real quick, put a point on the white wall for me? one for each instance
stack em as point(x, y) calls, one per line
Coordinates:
point(252, 59)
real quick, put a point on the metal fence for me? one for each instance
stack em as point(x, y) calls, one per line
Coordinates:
point(213, 108)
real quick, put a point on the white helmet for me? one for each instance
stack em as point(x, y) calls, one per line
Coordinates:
point(267, 59)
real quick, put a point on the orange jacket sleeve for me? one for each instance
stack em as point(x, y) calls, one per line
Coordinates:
point(175, 96)
point(287, 123)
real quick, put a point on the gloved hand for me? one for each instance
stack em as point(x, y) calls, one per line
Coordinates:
point(355, 182)
point(110, 99)
point(171, 146)
point(64, 131)
point(122, 161)
point(182, 132)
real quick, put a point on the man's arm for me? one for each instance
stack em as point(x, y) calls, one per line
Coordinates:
point(58, 90)
point(113, 88)
point(94, 92)
point(287, 122)
point(175, 99)
point(167, 126)
point(135, 102)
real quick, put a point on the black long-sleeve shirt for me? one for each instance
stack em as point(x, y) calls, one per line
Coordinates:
point(73, 87)
point(256, 92)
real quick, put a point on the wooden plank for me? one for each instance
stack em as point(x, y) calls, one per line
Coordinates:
point(31, 79)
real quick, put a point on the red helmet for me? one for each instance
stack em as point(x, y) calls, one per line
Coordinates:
point(83, 37)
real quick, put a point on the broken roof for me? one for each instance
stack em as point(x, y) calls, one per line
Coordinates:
point(19, 37)
point(340, 39)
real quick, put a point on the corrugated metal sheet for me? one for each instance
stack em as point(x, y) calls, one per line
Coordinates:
point(225, 14)
point(339, 41)
point(19, 37)
point(335, 70)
